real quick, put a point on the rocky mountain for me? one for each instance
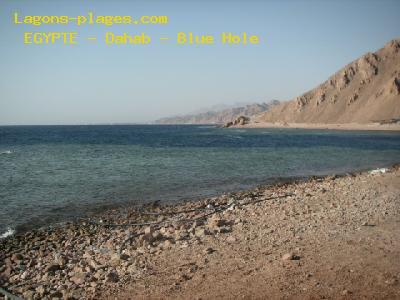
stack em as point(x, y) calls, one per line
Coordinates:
point(364, 91)
point(221, 116)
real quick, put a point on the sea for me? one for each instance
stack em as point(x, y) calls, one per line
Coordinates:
point(52, 174)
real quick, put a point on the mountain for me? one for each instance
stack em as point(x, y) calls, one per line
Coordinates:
point(220, 116)
point(364, 91)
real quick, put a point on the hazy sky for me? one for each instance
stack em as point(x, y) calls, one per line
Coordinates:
point(302, 44)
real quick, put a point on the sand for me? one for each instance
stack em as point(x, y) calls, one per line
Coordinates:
point(349, 126)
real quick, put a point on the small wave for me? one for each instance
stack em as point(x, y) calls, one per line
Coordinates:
point(6, 152)
point(9, 232)
point(234, 136)
point(207, 126)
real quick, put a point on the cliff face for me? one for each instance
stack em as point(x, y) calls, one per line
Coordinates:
point(366, 90)
point(218, 117)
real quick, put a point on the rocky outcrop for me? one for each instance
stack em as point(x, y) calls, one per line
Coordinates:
point(242, 120)
point(366, 89)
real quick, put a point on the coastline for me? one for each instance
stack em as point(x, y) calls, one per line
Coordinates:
point(346, 126)
point(286, 234)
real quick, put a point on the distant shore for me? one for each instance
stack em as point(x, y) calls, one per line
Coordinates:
point(329, 236)
point(348, 126)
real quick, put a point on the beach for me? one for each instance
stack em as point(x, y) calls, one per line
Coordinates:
point(325, 237)
point(344, 126)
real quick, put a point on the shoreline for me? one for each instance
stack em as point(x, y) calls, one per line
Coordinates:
point(91, 259)
point(323, 126)
point(102, 210)
point(94, 260)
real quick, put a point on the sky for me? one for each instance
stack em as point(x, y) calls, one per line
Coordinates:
point(302, 43)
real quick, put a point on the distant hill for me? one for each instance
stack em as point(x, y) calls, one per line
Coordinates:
point(220, 116)
point(366, 90)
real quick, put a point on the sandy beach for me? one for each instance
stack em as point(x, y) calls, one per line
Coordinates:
point(348, 126)
point(324, 238)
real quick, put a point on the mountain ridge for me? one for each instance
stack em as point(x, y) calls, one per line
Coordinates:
point(220, 116)
point(364, 91)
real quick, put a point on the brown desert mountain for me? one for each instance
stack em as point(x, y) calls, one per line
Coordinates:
point(365, 91)
point(220, 116)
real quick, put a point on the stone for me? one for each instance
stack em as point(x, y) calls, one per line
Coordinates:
point(157, 235)
point(181, 235)
point(346, 292)
point(112, 277)
point(94, 264)
point(224, 229)
point(124, 256)
point(56, 294)
point(99, 274)
point(147, 237)
point(201, 232)
point(197, 223)
point(28, 294)
point(216, 222)
point(52, 267)
point(208, 250)
point(290, 256)
point(78, 278)
point(7, 272)
point(17, 257)
point(148, 230)
point(40, 290)
point(167, 244)
point(231, 239)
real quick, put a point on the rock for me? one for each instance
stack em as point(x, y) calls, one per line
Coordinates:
point(7, 272)
point(78, 269)
point(28, 294)
point(56, 294)
point(201, 232)
point(94, 264)
point(238, 221)
point(208, 250)
point(149, 230)
point(72, 295)
point(228, 124)
point(78, 278)
point(124, 256)
point(24, 275)
point(147, 237)
point(40, 290)
point(181, 235)
point(17, 257)
point(112, 277)
point(52, 268)
point(215, 222)
point(167, 244)
point(99, 274)
point(224, 229)
point(157, 236)
point(197, 223)
point(231, 239)
point(241, 120)
point(290, 256)
point(345, 292)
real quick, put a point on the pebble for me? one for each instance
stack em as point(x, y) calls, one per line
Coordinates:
point(77, 260)
point(290, 256)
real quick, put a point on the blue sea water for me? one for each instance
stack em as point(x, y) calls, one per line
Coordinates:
point(55, 173)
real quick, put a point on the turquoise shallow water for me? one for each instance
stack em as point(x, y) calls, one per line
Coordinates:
point(54, 173)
